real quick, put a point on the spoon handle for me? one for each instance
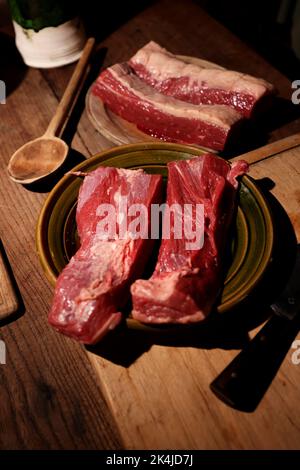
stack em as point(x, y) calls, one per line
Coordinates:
point(70, 92)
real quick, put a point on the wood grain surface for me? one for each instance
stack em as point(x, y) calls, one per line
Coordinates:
point(52, 397)
point(166, 400)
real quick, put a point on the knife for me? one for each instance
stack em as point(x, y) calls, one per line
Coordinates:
point(245, 380)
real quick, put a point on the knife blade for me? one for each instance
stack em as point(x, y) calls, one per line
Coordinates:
point(243, 383)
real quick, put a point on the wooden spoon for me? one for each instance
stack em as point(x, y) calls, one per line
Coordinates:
point(44, 155)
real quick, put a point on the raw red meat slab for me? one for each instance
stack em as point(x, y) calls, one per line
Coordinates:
point(163, 116)
point(185, 284)
point(196, 84)
point(95, 284)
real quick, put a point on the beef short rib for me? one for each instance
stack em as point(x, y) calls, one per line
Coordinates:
point(185, 284)
point(196, 84)
point(94, 286)
point(163, 116)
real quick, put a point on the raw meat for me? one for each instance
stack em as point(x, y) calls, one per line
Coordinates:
point(196, 84)
point(95, 284)
point(164, 116)
point(185, 284)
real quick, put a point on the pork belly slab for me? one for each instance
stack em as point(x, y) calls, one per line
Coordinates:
point(185, 284)
point(94, 286)
point(163, 116)
point(196, 84)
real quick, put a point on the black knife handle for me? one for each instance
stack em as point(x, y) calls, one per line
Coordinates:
point(244, 381)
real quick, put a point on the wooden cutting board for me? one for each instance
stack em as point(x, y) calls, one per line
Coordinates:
point(162, 398)
point(8, 299)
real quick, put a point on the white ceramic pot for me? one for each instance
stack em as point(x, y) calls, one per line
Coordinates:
point(51, 46)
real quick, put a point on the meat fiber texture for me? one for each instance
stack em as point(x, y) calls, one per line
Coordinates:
point(94, 286)
point(193, 83)
point(186, 283)
point(163, 116)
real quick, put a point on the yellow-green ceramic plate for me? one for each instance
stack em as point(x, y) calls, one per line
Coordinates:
point(252, 238)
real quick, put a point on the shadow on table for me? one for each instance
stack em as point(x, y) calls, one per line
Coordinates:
point(12, 67)
point(255, 132)
point(220, 330)
point(282, 112)
point(100, 21)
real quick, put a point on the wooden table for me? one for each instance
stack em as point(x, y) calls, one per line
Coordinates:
point(55, 394)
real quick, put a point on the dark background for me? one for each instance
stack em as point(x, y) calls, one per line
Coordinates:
point(266, 25)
